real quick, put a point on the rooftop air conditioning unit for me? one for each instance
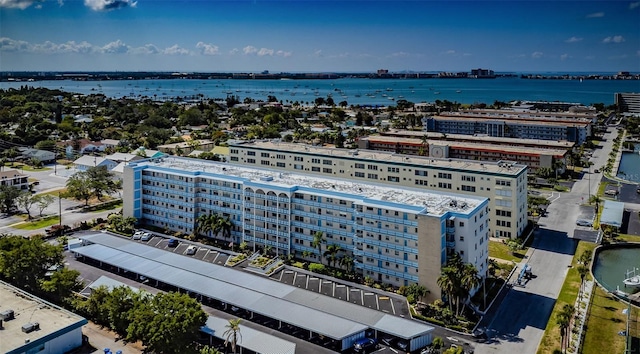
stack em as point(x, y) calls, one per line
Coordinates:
point(30, 327)
point(7, 315)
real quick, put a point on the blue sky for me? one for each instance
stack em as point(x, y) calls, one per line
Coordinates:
point(319, 36)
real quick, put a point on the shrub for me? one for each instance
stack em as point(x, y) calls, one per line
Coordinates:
point(317, 268)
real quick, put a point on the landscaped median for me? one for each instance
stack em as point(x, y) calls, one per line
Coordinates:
point(550, 342)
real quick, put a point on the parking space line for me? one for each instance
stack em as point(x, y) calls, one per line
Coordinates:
point(377, 304)
point(334, 290)
point(393, 308)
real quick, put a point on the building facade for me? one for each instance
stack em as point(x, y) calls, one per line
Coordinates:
point(511, 125)
point(15, 179)
point(534, 158)
point(397, 236)
point(503, 183)
point(628, 102)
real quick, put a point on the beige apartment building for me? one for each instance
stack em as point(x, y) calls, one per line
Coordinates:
point(504, 183)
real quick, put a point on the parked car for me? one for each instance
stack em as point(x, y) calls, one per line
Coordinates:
point(192, 250)
point(146, 236)
point(137, 235)
point(173, 242)
point(402, 345)
point(365, 345)
point(583, 222)
point(611, 192)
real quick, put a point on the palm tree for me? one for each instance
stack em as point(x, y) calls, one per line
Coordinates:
point(332, 253)
point(203, 224)
point(563, 322)
point(595, 199)
point(583, 271)
point(232, 333)
point(317, 242)
point(470, 279)
point(347, 262)
point(447, 283)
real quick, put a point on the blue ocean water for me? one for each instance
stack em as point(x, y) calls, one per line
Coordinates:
point(358, 91)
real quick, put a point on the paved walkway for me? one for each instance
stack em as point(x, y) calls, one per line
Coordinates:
point(101, 338)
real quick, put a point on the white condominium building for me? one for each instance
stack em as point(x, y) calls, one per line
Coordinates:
point(395, 235)
point(504, 183)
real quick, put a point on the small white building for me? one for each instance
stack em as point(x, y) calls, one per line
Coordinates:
point(85, 162)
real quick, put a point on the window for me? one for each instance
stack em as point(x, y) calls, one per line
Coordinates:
point(421, 173)
point(281, 164)
point(393, 169)
point(359, 174)
point(467, 178)
point(461, 224)
point(444, 175)
point(372, 176)
point(264, 154)
point(251, 153)
point(234, 158)
point(444, 185)
point(265, 162)
point(315, 169)
point(393, 179)
point(372, 167)
point(315, 160)
point(359, 165)
point(251, 160)
point(298, 158)
point(327, 170)
point(281, 157)
point(421, 182)
point(327, 162)
point(298, 167)
point(503, 183)
point(468, 188)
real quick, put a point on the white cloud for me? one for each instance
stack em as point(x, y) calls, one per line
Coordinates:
point(12, 45)
point(564, 56)
point(614, 39)
point(108, 5)
point(264, 52)
point(249, 50)
point(400, 54)
point(573, 39)
point(596, 15)
point(176, 50)
point(146, 49)
point(537, 55)
point(116, 47)
point(234, 51)
point(318, 53)
point(282, 53)
point(60, 3)
point(208, 49)
point(18, 4)
point(450, 52)
point(633, 5)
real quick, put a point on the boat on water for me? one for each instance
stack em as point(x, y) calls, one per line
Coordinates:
point(632, 278)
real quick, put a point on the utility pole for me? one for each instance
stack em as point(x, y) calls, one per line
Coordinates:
point(59, 210)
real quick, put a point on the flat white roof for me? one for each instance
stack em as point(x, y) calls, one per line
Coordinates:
point(436, 203)
point(462, 165)
point(27, 308)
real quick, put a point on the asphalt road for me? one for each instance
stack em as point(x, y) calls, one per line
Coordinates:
point(518, 323)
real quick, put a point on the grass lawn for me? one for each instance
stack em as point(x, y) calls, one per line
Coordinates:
point(54, 193)
point(498, 249)
point(628, 238)
point(107, 207)
point(604, 322)
point(602, 187)
point(568, 295)
point(34, 225)
point(30, 168)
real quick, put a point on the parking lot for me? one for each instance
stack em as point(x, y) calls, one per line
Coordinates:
point(354, 293)
point(203, 253)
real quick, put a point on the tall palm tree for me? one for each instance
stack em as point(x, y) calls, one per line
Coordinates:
point(232, 333)
point(317, 242)
point(347, 262)
point(203, 224)
point(447, 283)
point(470, 279)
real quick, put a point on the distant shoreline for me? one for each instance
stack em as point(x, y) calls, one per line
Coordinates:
point(33, 76)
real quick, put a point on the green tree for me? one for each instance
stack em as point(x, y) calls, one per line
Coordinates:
point(347, 262)
point(26, 201)
point(43, 201)
point(8, 196)
point(583, 271)
point(167, 323)
point(447, 283)
point(25, 261)
point(331, 253)
point(120, 305)
point(594, 199)
point(209, 350)
point(318, 240)
point(78, 187)
point(61, 285)
point(232, 333)
point(470, 279)
point(100, 181)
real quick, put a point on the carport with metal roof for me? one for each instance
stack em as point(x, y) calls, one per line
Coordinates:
point(612, 214)
point(256, 341)
point(326, 316)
